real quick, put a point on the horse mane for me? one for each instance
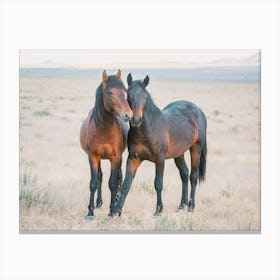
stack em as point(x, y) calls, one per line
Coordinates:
point(113, 81)
point(151, 108)
point(98, 106)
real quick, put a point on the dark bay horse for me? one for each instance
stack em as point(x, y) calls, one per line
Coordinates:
point(103, 136)
point(157, 135)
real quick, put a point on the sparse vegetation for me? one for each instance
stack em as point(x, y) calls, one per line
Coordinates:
point(207, 201)
point(165, 223)
point(216, 112)
point(27, 180)
point(65, 119)
point(42, 113)
point(226, 192)
point(31, 198)
point(38, 136)
point(190, 224)
point(26, 124)
point(146, 186)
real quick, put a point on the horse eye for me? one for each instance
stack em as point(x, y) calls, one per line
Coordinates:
point(109, 92)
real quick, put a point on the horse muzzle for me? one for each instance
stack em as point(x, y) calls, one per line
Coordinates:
point(136, 122)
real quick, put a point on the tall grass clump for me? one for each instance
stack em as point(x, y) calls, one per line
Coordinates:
point(226, 192)
point(146, 186)
point(30, 197)
point(165, 223)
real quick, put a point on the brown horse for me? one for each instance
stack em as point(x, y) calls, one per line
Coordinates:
point(103, 136)
point(157, 135)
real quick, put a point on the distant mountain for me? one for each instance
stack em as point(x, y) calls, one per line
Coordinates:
point(253, 60)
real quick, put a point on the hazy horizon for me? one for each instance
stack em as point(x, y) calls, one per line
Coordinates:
point(124, 59)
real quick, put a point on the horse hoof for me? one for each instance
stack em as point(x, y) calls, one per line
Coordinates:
point(158, 210)
point(191, 209)
point(99, 204)
point(115, 215)
point(191, 206)
point(157, 213)
point(181, 207)
point(89, 217)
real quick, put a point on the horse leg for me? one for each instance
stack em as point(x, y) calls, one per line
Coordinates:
point(93, 185)
point(184, 173)
point(158, 186)
point(99, 200)
point(131, 167)
point(113, 181)
point(120, 178)
point(195, 152)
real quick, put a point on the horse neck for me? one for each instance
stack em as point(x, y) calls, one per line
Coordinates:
point(152, 116)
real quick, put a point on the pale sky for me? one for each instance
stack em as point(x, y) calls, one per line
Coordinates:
point(101, 58)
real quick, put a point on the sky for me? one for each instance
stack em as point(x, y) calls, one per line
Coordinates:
point(99, 58)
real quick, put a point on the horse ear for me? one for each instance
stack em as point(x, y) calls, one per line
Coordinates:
point(118, 75)
point(105, 77)
point(129, 79)
point(146, 81)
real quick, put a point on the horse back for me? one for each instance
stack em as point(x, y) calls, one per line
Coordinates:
point(186, 111)
point(186, 125)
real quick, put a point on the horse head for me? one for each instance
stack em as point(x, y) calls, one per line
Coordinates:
point(137, 98)
point(114, 96)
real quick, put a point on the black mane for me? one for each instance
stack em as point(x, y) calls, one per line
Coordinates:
point(150, 107)
point(99, 105)
point(113, 81)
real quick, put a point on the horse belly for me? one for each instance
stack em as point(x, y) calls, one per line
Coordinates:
point(177, 150)
point(105, 151)
point(141, 151)
point(180, 141)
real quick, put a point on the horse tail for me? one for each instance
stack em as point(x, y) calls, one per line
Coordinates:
point(202, 164)
point(203, 155)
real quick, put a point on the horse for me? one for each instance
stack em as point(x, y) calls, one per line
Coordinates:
point(157, 135)
point(103, 135)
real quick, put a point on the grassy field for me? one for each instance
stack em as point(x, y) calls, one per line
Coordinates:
point(54, 171)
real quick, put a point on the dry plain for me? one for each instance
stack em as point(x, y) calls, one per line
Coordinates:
point(54, 171)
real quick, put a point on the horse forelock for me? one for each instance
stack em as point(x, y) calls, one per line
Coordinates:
point(115, 82)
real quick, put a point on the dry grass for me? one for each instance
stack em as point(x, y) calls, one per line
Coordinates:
point(54, 171)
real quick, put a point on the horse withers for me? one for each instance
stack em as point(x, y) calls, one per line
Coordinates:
point(103, 136)
point(157, 135)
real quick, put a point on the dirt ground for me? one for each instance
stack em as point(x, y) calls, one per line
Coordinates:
point(54, 170)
